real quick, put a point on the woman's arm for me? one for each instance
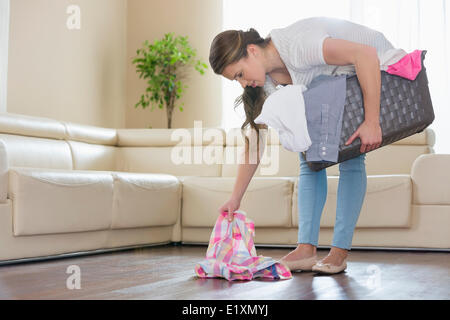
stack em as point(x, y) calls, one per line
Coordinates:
point(249, 162)
point(248, 165)
point(367, 65)
point(244, 176)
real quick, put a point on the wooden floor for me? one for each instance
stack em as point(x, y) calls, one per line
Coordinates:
point(167, 272)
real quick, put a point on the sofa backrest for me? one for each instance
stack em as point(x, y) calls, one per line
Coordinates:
point(396, 158)
point(210, 152)
point(276, 161)
point(180, 152)
point(45, 143)
point(34, 142)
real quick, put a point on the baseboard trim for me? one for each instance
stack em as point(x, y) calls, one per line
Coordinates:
point(80, 253)
point(205, 244)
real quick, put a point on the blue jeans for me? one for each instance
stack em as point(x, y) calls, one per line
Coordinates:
point(312, 194)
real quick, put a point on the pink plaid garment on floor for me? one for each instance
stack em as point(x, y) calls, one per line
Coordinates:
point(231, 253)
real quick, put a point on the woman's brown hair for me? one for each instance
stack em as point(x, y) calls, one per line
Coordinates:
point(229, 47)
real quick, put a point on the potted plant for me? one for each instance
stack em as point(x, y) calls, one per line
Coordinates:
point(164, 65)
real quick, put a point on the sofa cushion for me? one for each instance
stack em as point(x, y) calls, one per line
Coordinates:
point(59, 201)
point(267, 201)
point(398, 157)
point(276, 161)
point(387, 203)
point(431, 179)
point(159, 137)
point(25, 125)
point(90, 134)
point(3, 173)
point(184, 151)
point(87, 156)
point(177, 161)
point(25, 151)
point(145, 200)
point(391, 159)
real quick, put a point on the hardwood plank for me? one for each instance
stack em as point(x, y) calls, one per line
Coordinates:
point(167, 272)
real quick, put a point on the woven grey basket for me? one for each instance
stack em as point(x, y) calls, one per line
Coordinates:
point(405, 109)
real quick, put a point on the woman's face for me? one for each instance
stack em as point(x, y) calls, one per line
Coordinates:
point(248, 71)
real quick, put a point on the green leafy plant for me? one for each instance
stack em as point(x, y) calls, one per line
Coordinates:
point(164, 64)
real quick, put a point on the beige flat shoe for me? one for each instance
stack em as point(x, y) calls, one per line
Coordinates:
point(327, 268)
point(305, 264)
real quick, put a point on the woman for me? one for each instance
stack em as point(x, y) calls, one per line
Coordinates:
point(295, 55)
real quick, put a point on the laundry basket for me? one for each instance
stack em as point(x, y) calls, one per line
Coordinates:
point(405, 109)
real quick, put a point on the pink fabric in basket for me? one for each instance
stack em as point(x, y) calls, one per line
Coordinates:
point(231, 253)
point(407, 67)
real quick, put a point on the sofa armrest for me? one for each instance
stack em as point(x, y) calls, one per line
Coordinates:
point(3, 172)
point(430, 174)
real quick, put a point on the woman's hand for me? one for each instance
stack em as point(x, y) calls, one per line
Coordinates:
point(370, 134)
point(230, 206)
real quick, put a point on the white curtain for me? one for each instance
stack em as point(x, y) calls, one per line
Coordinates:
point(407, 24)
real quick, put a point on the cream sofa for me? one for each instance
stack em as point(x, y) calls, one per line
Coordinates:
point(70, 188)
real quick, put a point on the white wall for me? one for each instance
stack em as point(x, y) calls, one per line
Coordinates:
point(67, 60)
point(4, 32)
